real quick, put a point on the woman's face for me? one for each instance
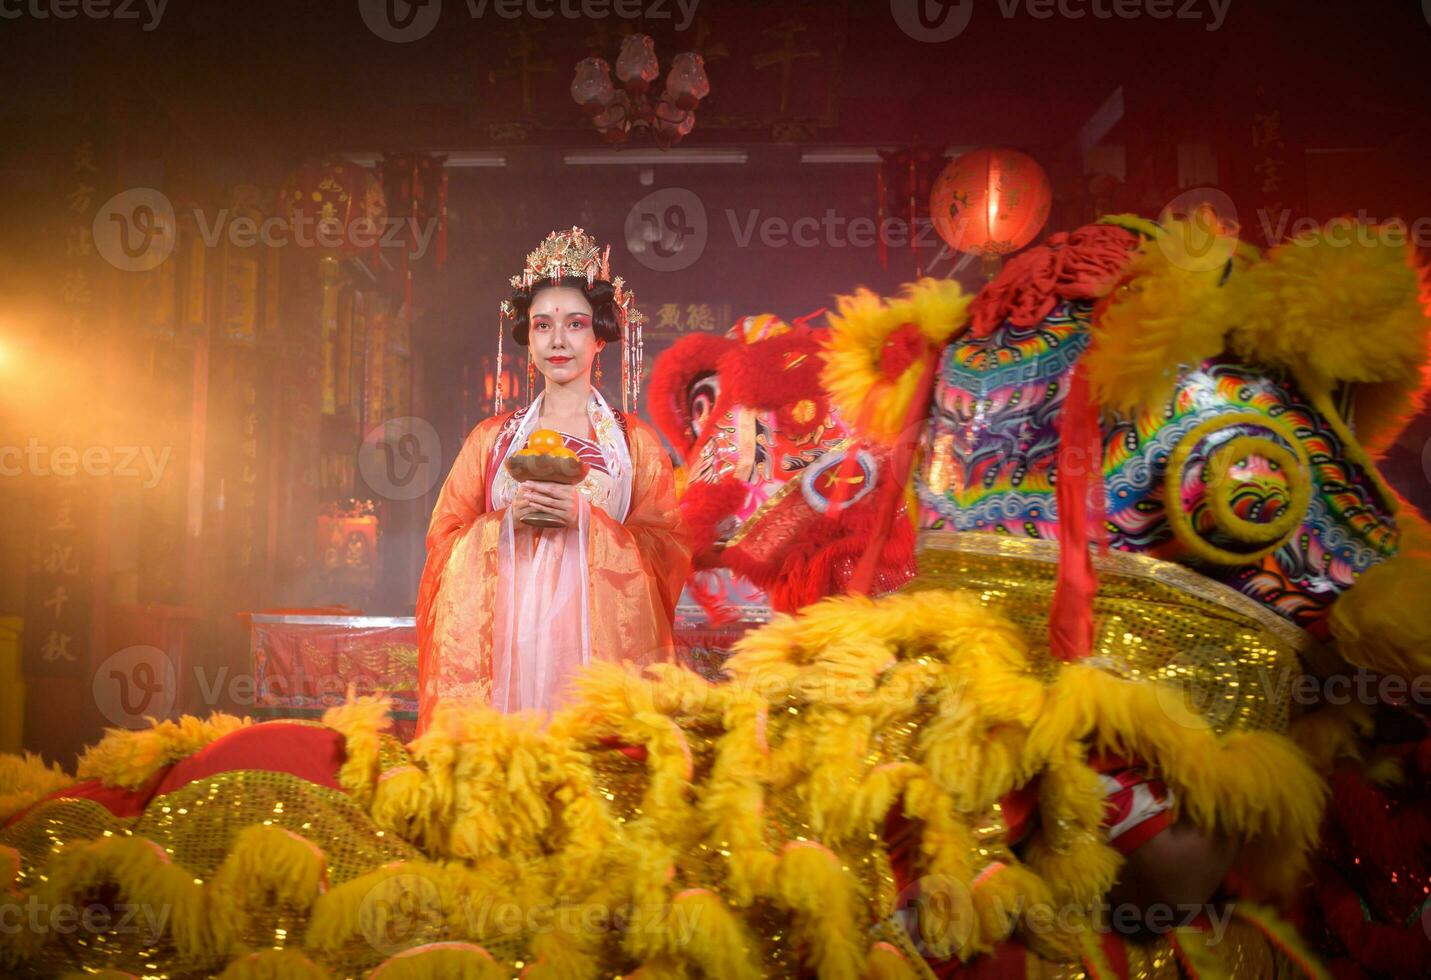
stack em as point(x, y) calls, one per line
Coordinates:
point(560, 334)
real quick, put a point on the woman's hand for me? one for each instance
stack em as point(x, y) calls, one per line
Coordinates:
point(557, 499)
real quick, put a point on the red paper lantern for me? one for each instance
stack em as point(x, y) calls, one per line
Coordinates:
point(990, 202)
point(335, 207)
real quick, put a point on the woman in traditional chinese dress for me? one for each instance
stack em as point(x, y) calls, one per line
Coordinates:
point(507, 612)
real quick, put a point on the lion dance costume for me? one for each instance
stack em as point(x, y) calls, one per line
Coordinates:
point(1137, 481)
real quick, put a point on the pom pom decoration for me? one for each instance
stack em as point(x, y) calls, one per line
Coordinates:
point(1340, 305)
point(877, 349)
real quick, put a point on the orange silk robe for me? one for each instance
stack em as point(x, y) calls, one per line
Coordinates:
point(635, 570)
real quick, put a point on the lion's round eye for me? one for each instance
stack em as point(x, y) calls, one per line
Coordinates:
point(1237, 488)
point(702, 399)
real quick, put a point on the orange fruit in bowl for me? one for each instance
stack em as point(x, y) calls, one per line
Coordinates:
point(544, 441)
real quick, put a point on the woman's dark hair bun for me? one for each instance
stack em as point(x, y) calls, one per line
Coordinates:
point(599, 294)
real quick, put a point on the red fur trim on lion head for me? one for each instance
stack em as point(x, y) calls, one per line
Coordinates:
point(703, 507)
point(771, 373)
point(803, 556)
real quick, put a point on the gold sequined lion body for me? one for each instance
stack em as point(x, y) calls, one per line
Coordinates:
point(664, 824)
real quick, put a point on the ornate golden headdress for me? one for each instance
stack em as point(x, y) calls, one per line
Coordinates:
point(575, 253)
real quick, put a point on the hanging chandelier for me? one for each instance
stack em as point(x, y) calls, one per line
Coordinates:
point(616, 112)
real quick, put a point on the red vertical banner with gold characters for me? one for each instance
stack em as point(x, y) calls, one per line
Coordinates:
point(239, 460)
point(246, 511)
point(195, 285)
point(399, 368)
point(272, 295)
point(160, 538)
point(58, 591)
point(376, 369)
point(328, 318)
point(154, 296)
point(242, 263)
point(59, 587)
point(1268, 170)
point(343, 396)
point(358, 331)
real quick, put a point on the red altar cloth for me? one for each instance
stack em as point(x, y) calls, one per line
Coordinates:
point(304, 664)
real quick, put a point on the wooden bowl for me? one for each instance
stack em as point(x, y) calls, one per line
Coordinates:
point(548, 469)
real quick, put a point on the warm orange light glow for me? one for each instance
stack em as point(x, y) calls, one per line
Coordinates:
point(995, 186)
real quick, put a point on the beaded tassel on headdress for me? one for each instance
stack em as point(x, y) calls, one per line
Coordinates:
point(575, 253)
point(501, 364)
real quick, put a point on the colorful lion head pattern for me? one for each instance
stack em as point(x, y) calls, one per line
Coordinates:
point(1238, 475)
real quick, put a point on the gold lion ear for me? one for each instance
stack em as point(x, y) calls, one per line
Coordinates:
point(1169, 311)
point(1380, 622)
point(1340, 306)
point(870, 388)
